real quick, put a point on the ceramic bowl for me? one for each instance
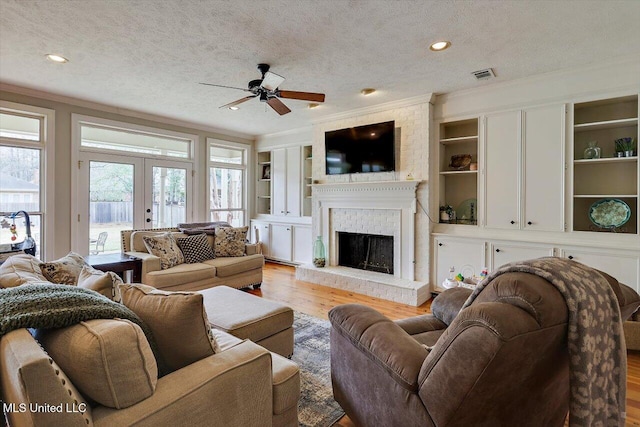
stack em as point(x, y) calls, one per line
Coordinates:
point(460, 161)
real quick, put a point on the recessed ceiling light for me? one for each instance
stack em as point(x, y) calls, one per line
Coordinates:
point(56, 58)
point(367, 91)
point(313, 105)
point(438, 46)
point(234, 108)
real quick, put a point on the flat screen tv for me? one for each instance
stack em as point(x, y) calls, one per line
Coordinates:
point(361, 149)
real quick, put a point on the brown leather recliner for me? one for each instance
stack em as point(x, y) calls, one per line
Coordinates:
point(502, 361)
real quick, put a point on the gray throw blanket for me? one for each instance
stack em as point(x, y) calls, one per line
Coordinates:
point(57, 306)
point(597, 351)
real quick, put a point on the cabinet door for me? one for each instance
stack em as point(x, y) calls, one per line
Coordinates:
point(543, 175)
point(504, 252)
point(279, 181)
point(261, 231)
point(302, 244)
point(294, 181)
point(623, 265)
point(280, 242)
point(466, 256)
point(502, 170)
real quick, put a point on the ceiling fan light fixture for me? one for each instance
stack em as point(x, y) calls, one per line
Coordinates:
point(56, 58)
point(313, 105)
point(439, 46)
point(367, 91)
point(234, 108)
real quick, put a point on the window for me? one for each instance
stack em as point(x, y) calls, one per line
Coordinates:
point(227, 182)
point(26, 173)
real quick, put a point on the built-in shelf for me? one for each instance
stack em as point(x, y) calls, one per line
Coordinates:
point(264, 197)
point(608, 124)
point(456, 172)
point(607, 160)
point(456, 140)
point(264, 163)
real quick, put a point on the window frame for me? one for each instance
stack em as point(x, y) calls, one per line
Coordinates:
point(46, 145)
point(246, 153)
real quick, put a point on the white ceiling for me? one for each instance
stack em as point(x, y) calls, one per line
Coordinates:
point(149, 55)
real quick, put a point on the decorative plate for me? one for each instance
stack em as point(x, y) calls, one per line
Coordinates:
point(609, 213)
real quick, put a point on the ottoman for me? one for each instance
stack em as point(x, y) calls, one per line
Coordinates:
point(247, 316)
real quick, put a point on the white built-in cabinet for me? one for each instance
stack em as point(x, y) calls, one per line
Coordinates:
point(285, 242)
point(469, 256)
point(286, 170)
point(461, 255)
point(524, 169)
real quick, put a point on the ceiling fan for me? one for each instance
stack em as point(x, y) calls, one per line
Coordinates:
point(267, 90)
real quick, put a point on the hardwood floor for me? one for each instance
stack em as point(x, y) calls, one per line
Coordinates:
point(279, 284)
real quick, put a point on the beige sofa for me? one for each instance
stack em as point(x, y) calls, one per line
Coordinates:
point(235, 272)
point(242, 385)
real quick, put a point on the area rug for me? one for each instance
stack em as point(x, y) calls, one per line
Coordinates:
point(316, 407)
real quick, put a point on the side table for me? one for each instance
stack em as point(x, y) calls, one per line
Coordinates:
point(118, 263)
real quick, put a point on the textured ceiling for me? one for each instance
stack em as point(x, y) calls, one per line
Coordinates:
point(149, 55)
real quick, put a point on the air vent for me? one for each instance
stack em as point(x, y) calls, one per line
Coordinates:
point(484, 74)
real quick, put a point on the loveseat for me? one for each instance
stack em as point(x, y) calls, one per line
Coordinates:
point(236, 271)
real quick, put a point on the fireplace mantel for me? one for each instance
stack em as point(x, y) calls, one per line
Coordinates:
point(394, 196)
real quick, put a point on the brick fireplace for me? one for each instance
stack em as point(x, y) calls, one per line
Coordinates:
point(383, 209)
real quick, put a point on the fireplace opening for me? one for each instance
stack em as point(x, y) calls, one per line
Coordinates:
point(366, 252)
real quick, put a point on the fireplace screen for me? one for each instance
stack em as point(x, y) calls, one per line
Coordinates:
point(366, 252)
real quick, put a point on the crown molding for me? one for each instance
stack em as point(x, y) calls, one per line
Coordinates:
point(49, 96)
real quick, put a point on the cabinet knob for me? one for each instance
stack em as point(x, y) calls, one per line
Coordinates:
point(288, 212)
point(497, 250)
point(148, 219)
point(513, 222)
point(281, 211)
point(439, 244)
point(148, 210)
point(570, 257)
point(529, 223)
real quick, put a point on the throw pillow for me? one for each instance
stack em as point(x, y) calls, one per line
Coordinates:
point(164, 246)
point(105, 283)
point(177, 320)
point(195, 248)
point(20, 269)
point(230, 241)
point(109, 360)
point(64, 271)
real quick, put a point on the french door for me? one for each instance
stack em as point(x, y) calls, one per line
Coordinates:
point(120, 192)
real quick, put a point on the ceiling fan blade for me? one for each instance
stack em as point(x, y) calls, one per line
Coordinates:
point(304, 96)
point(271, 81)
point(277, 105)
point(239, 101)
point(228, 87)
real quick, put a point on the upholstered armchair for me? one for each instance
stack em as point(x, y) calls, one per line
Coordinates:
point(501, 361)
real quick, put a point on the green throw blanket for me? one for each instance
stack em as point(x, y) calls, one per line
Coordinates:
point(597, 351)
point(57, 306)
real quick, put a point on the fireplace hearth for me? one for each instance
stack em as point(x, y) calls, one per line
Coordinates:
point(369, 252)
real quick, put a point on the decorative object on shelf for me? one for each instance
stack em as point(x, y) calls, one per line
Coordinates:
point(473, 166)
point(625, 147)
point(450, 282)
point(460, 161)
point(409, 177)
point(466, 212)
point(609, 213)
point(447, 213)
point(319, 257)
point(592, 151)
point(266, 171)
